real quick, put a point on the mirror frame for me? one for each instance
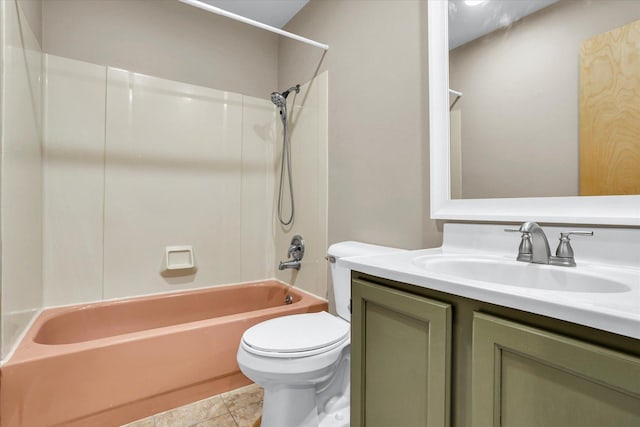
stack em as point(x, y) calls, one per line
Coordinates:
point(605, 210)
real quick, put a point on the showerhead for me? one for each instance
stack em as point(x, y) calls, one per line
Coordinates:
point(280, 99)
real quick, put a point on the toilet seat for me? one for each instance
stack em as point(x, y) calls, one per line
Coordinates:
point(298, 335)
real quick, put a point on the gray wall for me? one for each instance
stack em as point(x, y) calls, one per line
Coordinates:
point(166, 39)
point(32, 10)
point(378, 115)
point(520, 109)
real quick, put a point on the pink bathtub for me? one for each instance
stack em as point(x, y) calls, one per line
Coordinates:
point(111, 363)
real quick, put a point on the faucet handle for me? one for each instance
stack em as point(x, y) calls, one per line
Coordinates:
point(296, 248)
point(576, 233)
point(564, 252)
point(525, 249)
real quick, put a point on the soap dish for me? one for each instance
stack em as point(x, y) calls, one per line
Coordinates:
point(179, 258)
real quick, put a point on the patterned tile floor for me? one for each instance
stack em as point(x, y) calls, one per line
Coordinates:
point(236, 408)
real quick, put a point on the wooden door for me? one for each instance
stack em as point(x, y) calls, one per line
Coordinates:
point(610, 113)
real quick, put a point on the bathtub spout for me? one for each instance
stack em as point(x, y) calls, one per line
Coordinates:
point(295, 264)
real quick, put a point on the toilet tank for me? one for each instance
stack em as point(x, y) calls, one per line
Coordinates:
point(341, 276)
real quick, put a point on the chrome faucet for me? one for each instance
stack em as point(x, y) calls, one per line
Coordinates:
point(540, 252)
point(296, 251)
point(293, 264)
point(534, 246)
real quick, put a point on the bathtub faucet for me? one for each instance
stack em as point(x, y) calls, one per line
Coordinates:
point(295, 264)
point(296, 251)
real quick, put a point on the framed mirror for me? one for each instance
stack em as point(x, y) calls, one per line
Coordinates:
point(525, 114)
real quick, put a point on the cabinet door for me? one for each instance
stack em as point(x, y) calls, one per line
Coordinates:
point(400, 356)
point(525, 377)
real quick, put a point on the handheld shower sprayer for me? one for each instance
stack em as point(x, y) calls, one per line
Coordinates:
point(280, 101)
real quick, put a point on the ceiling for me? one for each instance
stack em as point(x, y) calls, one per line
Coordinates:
point(469, 20)
point(272, 12)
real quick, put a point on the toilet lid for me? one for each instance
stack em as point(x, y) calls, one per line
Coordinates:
point(297, 333)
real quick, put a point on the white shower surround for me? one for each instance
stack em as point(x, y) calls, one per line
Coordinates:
point(135, 163)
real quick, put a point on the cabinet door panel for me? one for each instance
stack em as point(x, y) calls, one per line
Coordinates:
point(400, 358)
point(525, 377)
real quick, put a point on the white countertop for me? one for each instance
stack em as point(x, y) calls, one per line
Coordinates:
point(617, 312)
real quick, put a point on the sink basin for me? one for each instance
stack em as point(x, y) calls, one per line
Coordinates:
point(520, 274)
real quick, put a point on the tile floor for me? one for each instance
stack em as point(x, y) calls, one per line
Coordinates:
point(236, 408)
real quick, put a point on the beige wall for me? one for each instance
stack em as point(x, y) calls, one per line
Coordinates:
point(519, 112)
point(21, 179)
point(163, 38)
point(378, 115)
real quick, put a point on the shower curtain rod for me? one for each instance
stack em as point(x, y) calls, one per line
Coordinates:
point(209, 8)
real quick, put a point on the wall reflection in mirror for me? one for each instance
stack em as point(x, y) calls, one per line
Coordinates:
point(545, 98)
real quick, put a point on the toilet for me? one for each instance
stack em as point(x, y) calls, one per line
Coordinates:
point(302, 360)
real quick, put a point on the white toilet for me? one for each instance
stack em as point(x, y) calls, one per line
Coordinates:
point(302, 360)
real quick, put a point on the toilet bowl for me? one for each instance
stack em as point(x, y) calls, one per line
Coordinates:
point(302, 361)
point(298, 369)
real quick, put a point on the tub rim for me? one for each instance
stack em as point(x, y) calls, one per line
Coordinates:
point(27, 349)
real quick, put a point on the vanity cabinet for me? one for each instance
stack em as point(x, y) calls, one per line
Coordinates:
point(524, 376)
point(400, 353)
point(498, 366)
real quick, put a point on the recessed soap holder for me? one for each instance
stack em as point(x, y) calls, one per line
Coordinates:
point(179, 258)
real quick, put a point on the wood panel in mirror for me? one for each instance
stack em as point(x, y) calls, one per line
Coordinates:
point(610, 112)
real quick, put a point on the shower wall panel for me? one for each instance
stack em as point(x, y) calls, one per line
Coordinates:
point(172, 177)
point(309, 138)
point(136, 163)
point(74, 180)
point(21, 179)
point(259, 148)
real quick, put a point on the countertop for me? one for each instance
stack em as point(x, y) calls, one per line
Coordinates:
point(617, 312)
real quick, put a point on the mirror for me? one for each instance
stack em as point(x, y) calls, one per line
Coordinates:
point(550, 98)
point(514, 181)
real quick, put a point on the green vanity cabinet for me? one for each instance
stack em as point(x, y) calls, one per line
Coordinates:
point(527, 377)
point(425, 358)
point(400, 355)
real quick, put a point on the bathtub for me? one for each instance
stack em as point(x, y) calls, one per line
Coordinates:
point(110, 363)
